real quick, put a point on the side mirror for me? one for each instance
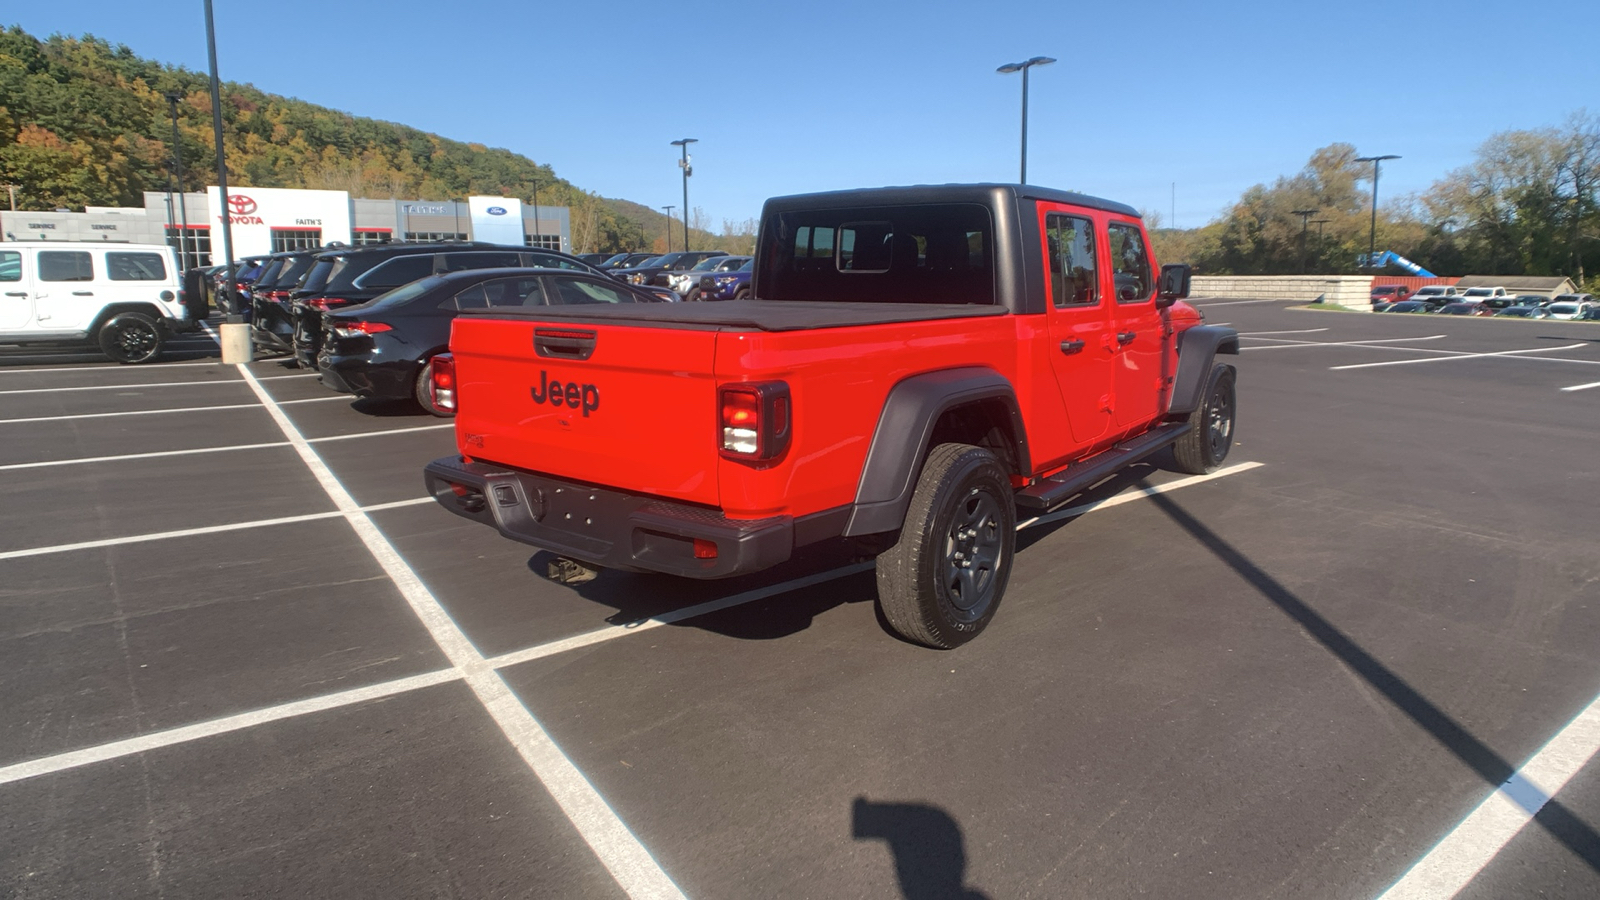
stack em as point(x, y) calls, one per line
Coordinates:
point(1174, 284)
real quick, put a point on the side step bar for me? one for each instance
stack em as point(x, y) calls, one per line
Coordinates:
point(1048, 493)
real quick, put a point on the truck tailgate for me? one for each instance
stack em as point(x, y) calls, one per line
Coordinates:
point(615, 405)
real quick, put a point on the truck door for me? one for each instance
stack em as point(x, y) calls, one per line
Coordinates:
point(16, 296)
point(1080, 330)
point(1139, 380)
point(64, 295)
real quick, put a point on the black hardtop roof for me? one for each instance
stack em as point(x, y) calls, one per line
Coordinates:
point(986, 194)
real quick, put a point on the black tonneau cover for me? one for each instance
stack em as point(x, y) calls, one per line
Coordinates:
point(743, 315)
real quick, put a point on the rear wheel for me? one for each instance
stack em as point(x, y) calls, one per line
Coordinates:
point(941, 583)
point(1205, 445)
point(131, 338)
point(424, 392)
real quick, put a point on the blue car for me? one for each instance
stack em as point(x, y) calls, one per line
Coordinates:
point(733, 285)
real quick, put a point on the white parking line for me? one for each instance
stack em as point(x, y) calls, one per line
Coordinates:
point(157, 412)
point(156, 740)
point(1263, 333)
point(207, 529)
point(1582, 387)
point(108, 367)
point(198, 450)
point(1461, 855)
point(630, 864)
point(1456, 356)
point(118, 387)
point(1286, 343)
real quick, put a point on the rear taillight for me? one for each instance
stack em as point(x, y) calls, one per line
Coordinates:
point(349, 329)
point(442, 383)
point(326, 303)
point(755, 420)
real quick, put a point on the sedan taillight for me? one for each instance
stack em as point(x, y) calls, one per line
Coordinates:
point(350, 329)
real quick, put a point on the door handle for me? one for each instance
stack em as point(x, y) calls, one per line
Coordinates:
point(1071, 347)
point(1126, 337)
point(83, 293)
point(16, 293)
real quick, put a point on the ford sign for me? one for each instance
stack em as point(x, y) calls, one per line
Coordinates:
point(496, 210)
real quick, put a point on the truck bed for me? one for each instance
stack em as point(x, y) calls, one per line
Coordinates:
point(743, 315)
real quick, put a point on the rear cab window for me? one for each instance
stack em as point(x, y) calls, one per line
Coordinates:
point(122, 266)
point(927, 253)
point(66, 265)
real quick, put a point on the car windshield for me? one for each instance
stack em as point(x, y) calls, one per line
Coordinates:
point(1563, 309)
point(615, 260)
point(652, 261)
point(1480, 292)
point(749, 265)
point(1430, 292)
point(708, 264)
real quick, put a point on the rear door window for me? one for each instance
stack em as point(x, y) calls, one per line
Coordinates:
point(135, 267)
point(578, 290)
point(515, 292)
point(1074, 280)
point(10, 265)
point(65, 265)
point(458, 262)
point(395, 272)
point(472, 298)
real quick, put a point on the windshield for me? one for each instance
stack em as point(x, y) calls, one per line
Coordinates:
point(707, 265)
point(1429, 292)
point(320, 273)
point(615, 260)
point(652, 261)
point(1479, 292)
point(1563, 308)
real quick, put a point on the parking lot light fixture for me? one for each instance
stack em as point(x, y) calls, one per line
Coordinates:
point(688, 170)
point(1305, 225)
point(1023, 67)
point(1372, 240)
point(177, 163)
point(230, 288)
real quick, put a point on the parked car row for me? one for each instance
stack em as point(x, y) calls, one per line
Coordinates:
point(683, 272)
point(1495, 302)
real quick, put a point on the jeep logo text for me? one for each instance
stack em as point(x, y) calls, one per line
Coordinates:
point(574, 395)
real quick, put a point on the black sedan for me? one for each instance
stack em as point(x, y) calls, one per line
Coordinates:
point(384, 348)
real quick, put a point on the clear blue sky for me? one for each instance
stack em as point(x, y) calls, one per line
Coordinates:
point(795, 97)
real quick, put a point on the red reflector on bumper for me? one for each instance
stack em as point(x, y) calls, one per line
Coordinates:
point(704, 549)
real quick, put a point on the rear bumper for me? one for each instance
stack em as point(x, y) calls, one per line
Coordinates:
point(610, 529)
point(359, 375)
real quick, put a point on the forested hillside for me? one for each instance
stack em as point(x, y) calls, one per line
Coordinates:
point(83, 122)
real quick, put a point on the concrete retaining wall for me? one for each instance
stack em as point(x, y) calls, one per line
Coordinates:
point(1353, 291)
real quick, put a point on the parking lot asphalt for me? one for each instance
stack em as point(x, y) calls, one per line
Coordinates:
point(240, 655)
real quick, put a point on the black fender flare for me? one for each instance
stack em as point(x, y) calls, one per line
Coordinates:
point(900, 443)
point(1197, 349)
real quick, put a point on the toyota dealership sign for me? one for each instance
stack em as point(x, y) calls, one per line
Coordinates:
point(255, 213)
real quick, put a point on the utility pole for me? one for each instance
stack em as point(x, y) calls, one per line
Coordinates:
point(1023, 67)
point(1322, 243)
point(235, 333)
point(177, 162)
point(668, 210)
point(13, 189)
point(1372, 241)
point(1305, 216)
point(687, 171)
point(538, 241)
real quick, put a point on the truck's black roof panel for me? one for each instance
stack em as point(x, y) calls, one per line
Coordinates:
point(743, 315)
point(944, 193)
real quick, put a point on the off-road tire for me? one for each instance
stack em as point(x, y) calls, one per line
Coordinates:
point(743, 293)
point(961, 512)
point(693, 296)
point(423, 391)
point(1205, 445)
point(130, 338)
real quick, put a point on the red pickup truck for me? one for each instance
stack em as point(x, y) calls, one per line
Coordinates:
point(915, 366)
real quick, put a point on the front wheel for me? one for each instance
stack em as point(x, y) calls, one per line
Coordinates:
point(1205, 445)
point(941, 583)
point(131, 338)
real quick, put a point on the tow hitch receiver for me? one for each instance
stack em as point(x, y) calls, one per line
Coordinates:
point(569, 571)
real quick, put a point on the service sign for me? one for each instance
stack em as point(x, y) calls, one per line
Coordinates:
point(254, 213)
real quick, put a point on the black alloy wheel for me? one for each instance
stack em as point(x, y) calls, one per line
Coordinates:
point(131, 338)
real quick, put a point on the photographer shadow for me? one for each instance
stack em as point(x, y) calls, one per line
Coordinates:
point(930, 857)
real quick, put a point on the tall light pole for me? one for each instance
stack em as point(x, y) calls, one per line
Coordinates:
point(1372, 241)
point(177, 163)
point(230, 289)
point(538, 240)
point(668, 210)
point(1305, 225)
point(1023, 67)
point(1322, 244)
point(687, 171)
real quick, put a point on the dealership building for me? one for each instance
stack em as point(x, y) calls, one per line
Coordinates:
point(267, 220)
